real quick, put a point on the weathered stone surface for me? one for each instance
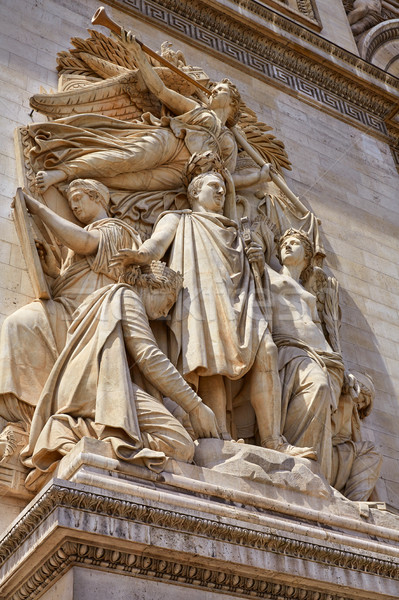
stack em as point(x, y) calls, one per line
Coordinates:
point(329, 107)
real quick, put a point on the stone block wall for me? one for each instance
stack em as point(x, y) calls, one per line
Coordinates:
point(346, 175)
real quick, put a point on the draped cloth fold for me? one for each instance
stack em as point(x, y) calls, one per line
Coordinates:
point(311, 382)
point(217, 324)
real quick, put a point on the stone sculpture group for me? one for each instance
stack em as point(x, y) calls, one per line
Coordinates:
point(170, 317)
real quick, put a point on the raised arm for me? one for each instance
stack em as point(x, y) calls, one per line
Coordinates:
point(152, 249)
point(177, 103)
point(74, 237)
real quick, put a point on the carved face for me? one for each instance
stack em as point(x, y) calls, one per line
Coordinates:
point(221, 96)
point(83, 206)
point(158, 302)
point(292, 251)
point(211, 195)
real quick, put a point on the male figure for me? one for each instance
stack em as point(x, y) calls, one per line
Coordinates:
point(311, 373)
point(356, 463)
point(219, 330)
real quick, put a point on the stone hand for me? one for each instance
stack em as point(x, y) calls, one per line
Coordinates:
point(255, 255)
point(127, 257)
point(47, 258)
point(129, 40)
point(203, 422)
point(265, 172)
point(32, 204)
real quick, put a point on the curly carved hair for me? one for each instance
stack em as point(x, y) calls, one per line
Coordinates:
point(196, 185)
point(307, 246)
point(156, 276)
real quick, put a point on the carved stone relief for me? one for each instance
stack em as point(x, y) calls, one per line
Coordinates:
point(374, 24)
point(186, 297)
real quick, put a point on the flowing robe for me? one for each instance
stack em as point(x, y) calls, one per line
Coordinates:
point(143, 155)
point(311, 382)
point(217, 324)
point(93, 390)
point(356, 462)
point(33, 337)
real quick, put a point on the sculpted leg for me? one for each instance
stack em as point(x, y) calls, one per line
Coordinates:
point(265, 392)
point(141, 153)
point(161, 431)
point(307, 408)
point(213, 393)
point(265, 396)
point(356, 468)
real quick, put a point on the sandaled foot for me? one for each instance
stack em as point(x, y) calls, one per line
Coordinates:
point(305, 452)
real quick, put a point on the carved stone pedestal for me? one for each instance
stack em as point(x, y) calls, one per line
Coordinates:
point(104, 529)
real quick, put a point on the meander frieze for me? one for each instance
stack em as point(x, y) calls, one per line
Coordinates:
point(218, 21)
point(144, 565)
point(58, 496)
point(289, 66)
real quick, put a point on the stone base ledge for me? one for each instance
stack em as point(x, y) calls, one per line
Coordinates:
point(123, 521)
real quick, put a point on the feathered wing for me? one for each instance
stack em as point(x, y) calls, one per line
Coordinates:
point(98, 45)
point(121, 97)
point(98, 76)
point(326, 290)
point(268, 146)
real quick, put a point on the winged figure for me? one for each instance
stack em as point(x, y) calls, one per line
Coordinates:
point(105, 77)
point(326, 290)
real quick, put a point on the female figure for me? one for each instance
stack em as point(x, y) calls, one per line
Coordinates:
point(33, 337)
point(145, 155)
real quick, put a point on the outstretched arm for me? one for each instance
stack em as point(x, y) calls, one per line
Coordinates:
point(74, 237)
point(162, 374)
point(177, 103)
point(152, 249)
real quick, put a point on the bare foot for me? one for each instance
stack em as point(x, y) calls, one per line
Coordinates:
point(286, 448)
point(45, 179)
point(4, 444)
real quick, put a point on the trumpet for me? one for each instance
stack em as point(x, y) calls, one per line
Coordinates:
point(100, 17)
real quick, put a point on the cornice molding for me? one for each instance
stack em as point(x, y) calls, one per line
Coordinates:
point(278, 49)
point(144, 565)
point(59, 496)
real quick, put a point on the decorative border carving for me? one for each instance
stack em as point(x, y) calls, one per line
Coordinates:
point(146, 566)
point(390, 32)
point(290, 65)
point(63, 496)
point(307, 8)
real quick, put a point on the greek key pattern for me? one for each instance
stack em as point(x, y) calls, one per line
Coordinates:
point(268, 58)
point(146, 566)
point(59, 496)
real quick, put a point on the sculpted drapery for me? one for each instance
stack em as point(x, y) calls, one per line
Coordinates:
point(217, 324)
point(33, 337)
point(145, 155)
point(102, 373)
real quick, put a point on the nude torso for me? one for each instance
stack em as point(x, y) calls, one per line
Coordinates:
point(295, 313)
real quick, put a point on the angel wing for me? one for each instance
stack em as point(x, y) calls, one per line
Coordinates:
point(268, 146)
point(98, 76)
point(326, 290)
